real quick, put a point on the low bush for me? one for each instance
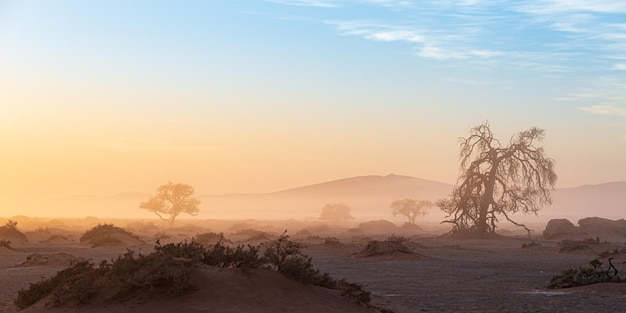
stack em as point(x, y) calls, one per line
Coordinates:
point(613, 252)
point(169, 268)
point(6, 243)
point(10, 231)
point(582, 276)
point(211, 238)
point(531, 244)
point(397, 238)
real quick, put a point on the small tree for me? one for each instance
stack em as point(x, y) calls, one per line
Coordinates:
point(410, 208)
point(336, 212)
point(498, 180)
point(171, 200)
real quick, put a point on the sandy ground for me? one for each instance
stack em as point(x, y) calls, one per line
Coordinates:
point(449, 276)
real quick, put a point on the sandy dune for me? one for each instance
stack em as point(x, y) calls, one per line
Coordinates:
point(449, 276)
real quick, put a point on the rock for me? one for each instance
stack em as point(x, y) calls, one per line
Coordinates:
point(604, 229)
point(562, 229)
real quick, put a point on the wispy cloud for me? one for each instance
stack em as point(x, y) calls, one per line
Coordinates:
point(446, 54)
point(620, 67)
point(308, 3)
point(391, 3)
point(428, 45)
point(556, 6)
point(379, 32)
point(578, 43)
point(605, 109)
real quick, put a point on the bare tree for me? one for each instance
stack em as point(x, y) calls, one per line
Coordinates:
point(171, 200)
point(336, 212)
point(410, 208)
point(498, 181)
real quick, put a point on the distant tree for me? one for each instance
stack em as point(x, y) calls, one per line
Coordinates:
point(171, 200)
point(336, 212)
point(498, 180)
point(410, 208)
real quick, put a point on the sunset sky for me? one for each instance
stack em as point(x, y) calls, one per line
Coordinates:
point(102, 97)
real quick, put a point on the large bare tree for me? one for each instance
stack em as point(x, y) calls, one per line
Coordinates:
point(170, 200)
point(497, 181)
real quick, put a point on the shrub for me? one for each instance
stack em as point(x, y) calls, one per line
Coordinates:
point(615, 251)
point(6, 243)
point(10, 230)
point(169, 268)
point(211, 238)
point(277, 251)
point(332, 241)
point(354, 292)
point(584, 276)
point(397, 238)
point(577, 245)
point(129, 275)
point(532, 244)
point(73, 284)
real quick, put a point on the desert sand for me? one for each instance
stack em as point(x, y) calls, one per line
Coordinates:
point(439, 275)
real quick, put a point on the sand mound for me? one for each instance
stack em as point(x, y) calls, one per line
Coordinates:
point(6, 251)
point(411, 228)
point(389, 249)
point(233, 290)
point(13, 235)
point(600, 289)
point(106, 235)
point(380, 226)
point(57, 239)
point(211, 238)
point(55, 259)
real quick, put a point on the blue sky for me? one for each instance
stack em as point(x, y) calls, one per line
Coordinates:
point(244, 96)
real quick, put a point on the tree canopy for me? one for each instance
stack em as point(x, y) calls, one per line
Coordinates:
point(171, 200)
point(497, 181)
point(336, 212)
point(410, 208)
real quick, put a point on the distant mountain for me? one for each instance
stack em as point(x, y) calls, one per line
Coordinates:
point(604, 200)
point(373, 185)
point(369, 197)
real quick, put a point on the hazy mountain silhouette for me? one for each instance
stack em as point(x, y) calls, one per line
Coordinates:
point(369, 197)
point(603, 200)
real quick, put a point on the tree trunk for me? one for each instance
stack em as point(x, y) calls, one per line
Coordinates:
point(486, 200)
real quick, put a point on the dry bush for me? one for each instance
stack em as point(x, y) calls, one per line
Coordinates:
point(577, 245)
point(211, 238)
point(376, 248)
point(6, 243)
point(607, 253)
point(10, 232)
point(531, 245)
point(169, 268)
point(584, 276)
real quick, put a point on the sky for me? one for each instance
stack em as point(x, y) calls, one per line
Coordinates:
point(103, 97)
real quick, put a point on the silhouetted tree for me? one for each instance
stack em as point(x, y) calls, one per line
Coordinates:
point(171, 200)
point(498, 180)
point(336, 212)
point(410, 208)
